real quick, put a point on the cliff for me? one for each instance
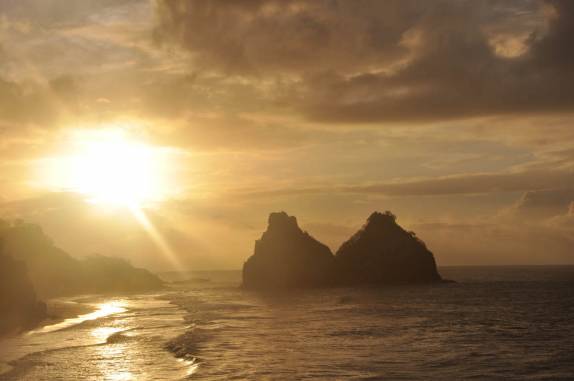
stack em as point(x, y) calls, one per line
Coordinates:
point(287, 257)
point(382, 252)
point(19, 307)
point(53, 272)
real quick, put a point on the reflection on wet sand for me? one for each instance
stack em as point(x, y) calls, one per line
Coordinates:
point(102, 310)
point(103, 333)
point(121, 339)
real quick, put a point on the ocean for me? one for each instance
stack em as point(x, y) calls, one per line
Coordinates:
point(507, 323)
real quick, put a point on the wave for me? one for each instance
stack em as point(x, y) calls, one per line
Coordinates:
point(188, 344)
point(119, 337)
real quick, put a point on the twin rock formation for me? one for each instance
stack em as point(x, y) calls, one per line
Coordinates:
point(381, 252)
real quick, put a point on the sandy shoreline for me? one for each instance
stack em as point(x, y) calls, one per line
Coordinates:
point(63, 312)
point(60, 310)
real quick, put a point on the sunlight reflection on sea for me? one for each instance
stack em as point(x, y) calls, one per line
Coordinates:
point(123, 339)
point(496, 323)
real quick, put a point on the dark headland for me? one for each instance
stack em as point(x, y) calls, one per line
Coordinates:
point(19, 305)
point(380, 253)
point(32, 268)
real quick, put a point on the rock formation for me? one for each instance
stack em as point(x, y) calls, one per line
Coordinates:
point(53, 272)
point(382, 252)
point(19, 307)
point(287, 257)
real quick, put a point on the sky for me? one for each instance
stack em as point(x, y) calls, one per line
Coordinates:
point(455, 115)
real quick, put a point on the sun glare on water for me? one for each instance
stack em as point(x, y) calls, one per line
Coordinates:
point(113, 170)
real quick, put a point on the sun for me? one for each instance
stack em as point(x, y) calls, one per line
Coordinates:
point(109, 168)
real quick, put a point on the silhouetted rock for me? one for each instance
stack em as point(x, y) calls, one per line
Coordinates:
point(55, 273)
point(287, 257)
point(382, 252)
point(19, 307)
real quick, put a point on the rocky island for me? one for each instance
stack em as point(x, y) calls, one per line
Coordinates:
point(287, 257)
point(381, 252)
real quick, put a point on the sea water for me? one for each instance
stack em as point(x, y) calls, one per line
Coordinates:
point(494, 323)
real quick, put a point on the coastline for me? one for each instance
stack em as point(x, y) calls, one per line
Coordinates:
point(59, 310)
point(137, 325)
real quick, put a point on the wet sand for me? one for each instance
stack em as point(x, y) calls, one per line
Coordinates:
point(60, 310)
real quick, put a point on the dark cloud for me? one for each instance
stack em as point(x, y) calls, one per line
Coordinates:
point(260, 37)
point(372, 61)
point(544, 203)
point(552, 50)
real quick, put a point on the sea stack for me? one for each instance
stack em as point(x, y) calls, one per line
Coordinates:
point(287, 257)
point(382, 252)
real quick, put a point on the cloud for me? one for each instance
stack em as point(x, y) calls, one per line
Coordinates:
point(497, 242)
point(53, 13)
point(25, 105)
point(544, 203)
point(264, 99)
point(468, 184)
point(259, 37)
point(475, 184)
point(393, 61)
point(564, 221)
point(59, 58)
